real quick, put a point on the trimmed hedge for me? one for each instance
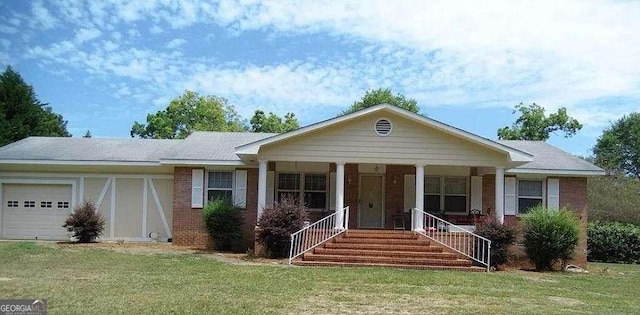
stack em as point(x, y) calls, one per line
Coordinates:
point(223, 222)
point(550, 236)
point(613, 242)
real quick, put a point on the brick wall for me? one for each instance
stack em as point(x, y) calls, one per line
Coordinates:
point(188, 226)
point(351, 193)
point(250, 214)
point(573, 195)
point(394, 194)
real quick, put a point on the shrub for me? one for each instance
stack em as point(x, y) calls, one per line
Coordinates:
point(85, 223)
point(613, 242)
point(501, 237)
point(277, 223)
point(223, 222)
point(550, 236)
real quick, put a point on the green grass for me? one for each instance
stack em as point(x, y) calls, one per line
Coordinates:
point(78, 280)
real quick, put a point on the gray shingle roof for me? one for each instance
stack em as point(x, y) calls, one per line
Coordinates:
point(87, 149)
point(548, 157)
point(212, 146)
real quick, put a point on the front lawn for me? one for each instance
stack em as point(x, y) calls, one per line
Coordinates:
point(84, 279)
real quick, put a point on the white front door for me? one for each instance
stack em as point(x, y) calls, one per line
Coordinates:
point(371, 207)
point(35, 211)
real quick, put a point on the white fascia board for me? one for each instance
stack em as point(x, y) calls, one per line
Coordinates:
point(581, 173)
point(202, 162)
point(81, 163)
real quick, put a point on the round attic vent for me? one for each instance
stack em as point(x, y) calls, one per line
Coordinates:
point(383, 127)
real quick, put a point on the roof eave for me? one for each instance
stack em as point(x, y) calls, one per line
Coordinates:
point(193, 162)
point(81, 162)
point(580, 173)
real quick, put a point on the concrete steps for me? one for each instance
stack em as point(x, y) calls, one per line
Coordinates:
point(385, 248)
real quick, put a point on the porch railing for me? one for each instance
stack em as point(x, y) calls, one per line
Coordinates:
point(454, 237)
point(319, 232)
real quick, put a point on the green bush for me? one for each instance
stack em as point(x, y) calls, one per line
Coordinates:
point(550, 236)
point(277, 223)
point(501, 237)
point(223, 222)
point(613, 242)
point(85, 223)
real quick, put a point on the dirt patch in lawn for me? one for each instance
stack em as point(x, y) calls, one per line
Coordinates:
point(170, 249)
point(566, 301)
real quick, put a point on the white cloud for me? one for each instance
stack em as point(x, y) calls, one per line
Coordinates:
point(176, 43)
point(42, 16)
point(489, 54)
point(84, 35)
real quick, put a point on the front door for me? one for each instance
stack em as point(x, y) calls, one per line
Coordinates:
point(371, 208)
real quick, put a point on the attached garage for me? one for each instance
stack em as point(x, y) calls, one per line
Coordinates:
point(35, 211)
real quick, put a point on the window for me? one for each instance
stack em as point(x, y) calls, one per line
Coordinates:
point(46, 204)
point(455, 194)
point(310, 189)
point(63, 205)
point(220, 185)
point(432, 193)
point(453, 198)
point(13, 204)
point(315, 191)
point(29, 204)
point(529, 195)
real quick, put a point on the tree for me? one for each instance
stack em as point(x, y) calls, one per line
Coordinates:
point(273, 123)
point(533, 124)
point(22, 114)
point(618, 148)
point(188, 113)
point(381, 96)
point(87, 134)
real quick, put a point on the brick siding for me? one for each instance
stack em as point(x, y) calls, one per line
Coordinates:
point(188, 225)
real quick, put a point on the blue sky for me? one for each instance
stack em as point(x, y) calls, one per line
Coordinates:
point(105, 64)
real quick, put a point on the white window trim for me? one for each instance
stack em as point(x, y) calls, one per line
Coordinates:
point(301, 190)
point(443, 193)
point(207, 188)
point(544, 192)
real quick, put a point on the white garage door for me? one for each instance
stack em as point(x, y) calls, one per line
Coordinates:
point(35, 211)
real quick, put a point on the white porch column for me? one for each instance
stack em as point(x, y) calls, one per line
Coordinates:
point(339, 195)
point(262, 187)
point(500, 194)
point(418, 223)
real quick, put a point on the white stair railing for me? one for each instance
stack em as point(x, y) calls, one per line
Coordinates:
point(319, 232)
point(453, 237)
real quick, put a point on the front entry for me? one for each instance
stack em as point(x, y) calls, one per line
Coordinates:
point(371, 206)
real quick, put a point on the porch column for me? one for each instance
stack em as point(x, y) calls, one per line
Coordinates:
point(340, 195)
point(262, 187)
point(500, 194)
point(418, 224)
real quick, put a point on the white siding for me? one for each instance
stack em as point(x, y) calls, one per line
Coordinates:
point(408, 143)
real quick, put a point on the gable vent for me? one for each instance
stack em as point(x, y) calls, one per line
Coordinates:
point(383, 127)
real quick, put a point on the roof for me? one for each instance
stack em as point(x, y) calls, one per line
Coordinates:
point(211, 147)
point(62, 150)
point(515, 155)
point(551, 160)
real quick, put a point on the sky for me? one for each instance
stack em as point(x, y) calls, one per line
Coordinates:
point(105, 64)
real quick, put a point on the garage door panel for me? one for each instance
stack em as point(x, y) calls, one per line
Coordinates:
point(35, 211)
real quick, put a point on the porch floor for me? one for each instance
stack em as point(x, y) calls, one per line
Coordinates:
point(385, 248)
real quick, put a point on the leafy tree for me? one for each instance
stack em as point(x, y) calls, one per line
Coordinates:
point(381, 96)
point(618, 148)
point(533, 124)
point(87, 134)
point(22, 114)
point(273, 123)
point(614, 198)
point(188, 113)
